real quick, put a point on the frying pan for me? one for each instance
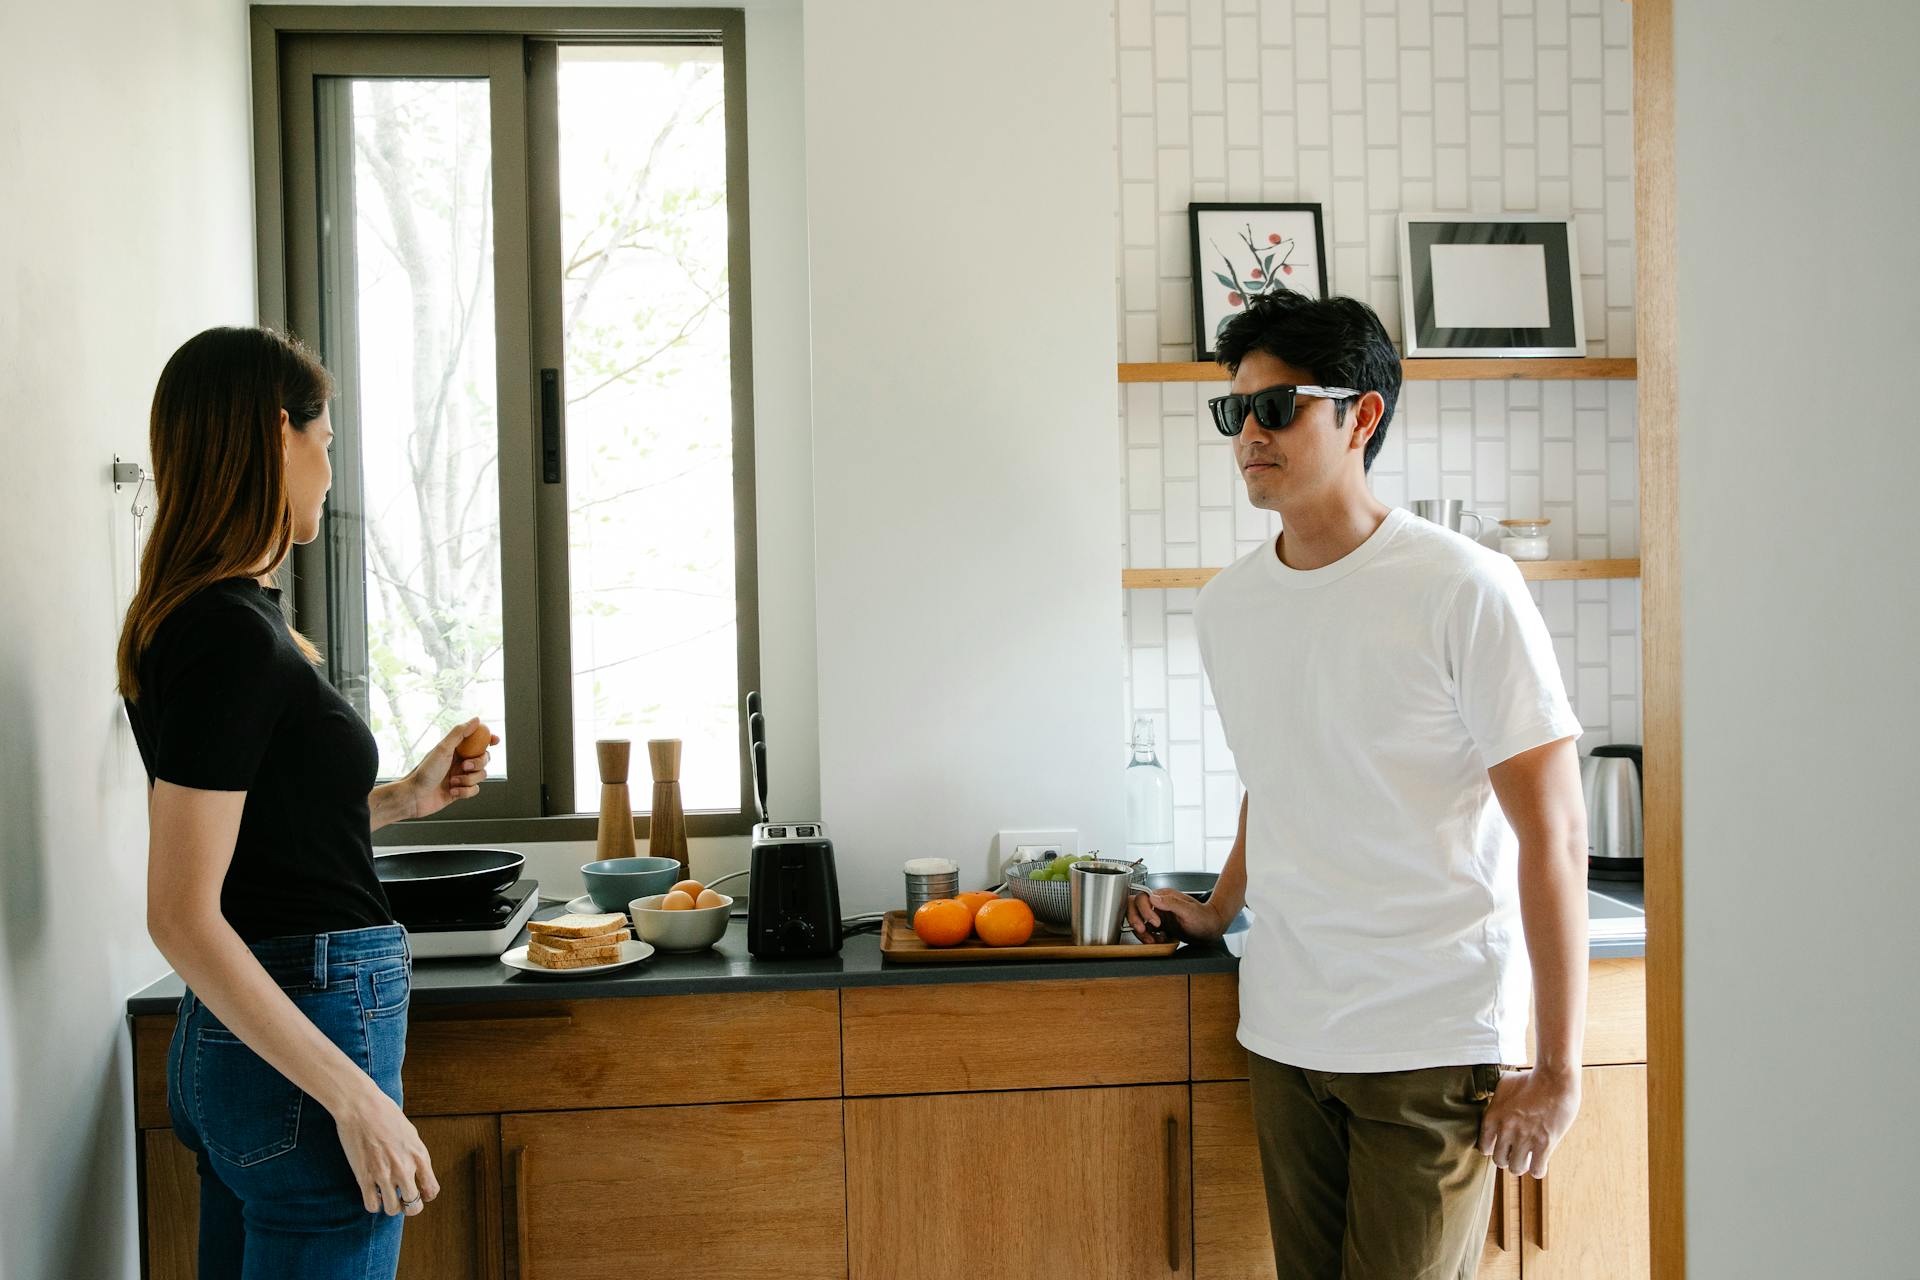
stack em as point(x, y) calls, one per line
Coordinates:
point(439, 879)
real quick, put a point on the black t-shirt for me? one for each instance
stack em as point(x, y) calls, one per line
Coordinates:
point(228, 703)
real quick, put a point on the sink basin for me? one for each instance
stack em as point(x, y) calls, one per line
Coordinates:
point(1610, 919)
point(1601, 907)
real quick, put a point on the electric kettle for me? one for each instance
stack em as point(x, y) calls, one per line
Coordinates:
point(1610, 777)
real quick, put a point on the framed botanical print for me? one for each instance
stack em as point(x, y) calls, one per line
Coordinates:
point(1241, 251)
point(1491, 285)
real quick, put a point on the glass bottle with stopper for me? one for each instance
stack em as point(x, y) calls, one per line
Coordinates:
point(1149, 802)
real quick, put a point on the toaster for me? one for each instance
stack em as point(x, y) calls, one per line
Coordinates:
point(793, 893)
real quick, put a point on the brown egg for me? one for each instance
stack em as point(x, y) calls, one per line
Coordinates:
point(474, 744)
point(708, 898)
point(678, 900)
point(692, 888)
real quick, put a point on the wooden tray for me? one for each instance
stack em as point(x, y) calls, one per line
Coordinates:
point(899, 942)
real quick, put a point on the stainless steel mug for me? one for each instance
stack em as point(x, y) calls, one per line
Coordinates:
point(1098, 890)
point(1448, 513)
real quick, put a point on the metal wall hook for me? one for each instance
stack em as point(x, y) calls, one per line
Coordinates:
point(125, 473)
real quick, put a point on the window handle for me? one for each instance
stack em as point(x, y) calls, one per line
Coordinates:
point(550, 426)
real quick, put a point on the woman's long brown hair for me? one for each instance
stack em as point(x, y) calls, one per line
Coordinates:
point(219, 473)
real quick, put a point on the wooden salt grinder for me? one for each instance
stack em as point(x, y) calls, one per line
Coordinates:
point(616, 806)
point(669, 821)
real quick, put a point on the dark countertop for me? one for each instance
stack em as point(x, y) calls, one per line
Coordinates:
point(728, 967)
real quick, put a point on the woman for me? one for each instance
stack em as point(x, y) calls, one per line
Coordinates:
point(284, 1072)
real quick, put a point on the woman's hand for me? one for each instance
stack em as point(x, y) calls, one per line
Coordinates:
point(388, 1159)
point(1150, 914)
point(445, 776)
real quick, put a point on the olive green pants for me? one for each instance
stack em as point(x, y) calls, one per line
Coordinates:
point(1374, 1176)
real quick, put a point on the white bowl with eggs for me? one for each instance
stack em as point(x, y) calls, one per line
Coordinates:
point(682, 929)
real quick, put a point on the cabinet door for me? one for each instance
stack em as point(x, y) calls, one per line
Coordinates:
point(1500, 1257)
point(1231, 1239)
point(171, 1206)
point(1069, 1184)
point(1587, 1219)
point(458, 1236)
point(734, 1191)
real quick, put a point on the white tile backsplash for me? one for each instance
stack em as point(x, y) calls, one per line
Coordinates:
point(1371, 107)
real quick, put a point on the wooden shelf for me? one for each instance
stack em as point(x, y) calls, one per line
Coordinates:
point(1532, 570)
point(1583, 369)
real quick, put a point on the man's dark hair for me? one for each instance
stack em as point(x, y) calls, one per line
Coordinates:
point(1339, 340)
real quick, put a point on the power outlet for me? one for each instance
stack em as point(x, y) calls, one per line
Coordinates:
point(1008, 846)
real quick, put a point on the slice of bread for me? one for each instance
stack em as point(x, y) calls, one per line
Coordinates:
point(586, 957)
point(577, 944)
point(576, 926)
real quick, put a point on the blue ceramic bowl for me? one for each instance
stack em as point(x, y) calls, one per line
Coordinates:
point(614, 882)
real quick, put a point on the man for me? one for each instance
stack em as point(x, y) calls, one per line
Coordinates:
point(1412, 839)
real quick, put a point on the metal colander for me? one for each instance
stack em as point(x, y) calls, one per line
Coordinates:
point(1052, 900)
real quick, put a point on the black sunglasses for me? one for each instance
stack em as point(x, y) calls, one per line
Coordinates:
point(1271, 407)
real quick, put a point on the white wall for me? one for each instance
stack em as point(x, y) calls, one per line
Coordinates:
point(1798, 176)
point(961, 200)
point(126, 226)
point(1368, 110)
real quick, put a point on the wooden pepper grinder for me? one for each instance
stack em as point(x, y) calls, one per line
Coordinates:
point(616, 806)
point(669, 821)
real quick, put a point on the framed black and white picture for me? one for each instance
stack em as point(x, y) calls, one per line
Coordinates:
point(1493, 285)
point(1241, 251)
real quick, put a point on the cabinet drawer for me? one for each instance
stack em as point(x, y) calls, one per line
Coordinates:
point(1052, 1184)
point(642, 1051)
point(1217, 1053)
point(1014, 1035)
point(739, 1191)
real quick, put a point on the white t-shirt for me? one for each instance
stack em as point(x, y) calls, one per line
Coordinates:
point(1364, 703)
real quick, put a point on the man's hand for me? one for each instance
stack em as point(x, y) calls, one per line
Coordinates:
point(1151, 914)
point(1530, 1112)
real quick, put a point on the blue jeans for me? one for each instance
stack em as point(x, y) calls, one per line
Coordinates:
point(277, 1197)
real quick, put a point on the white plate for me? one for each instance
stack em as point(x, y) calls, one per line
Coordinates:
point(584, 906)
point(631, 952)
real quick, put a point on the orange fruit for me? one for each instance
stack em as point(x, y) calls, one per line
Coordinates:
point(975, 900)
point(1005, 922)
point(943, 922)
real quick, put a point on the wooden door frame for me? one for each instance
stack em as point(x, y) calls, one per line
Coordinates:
point(1654, 215)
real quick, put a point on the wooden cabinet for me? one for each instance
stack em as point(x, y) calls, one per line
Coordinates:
point(1230, 1236)
point(1592, 1206)
point(469, 1059)
point(1069, 1184)
point(1014, 1035)
point(170, 1186)
point(1588, 1216)
point(457, 1237)
point(1056, 1128)
point(742, 1191)
point(1231, 1240)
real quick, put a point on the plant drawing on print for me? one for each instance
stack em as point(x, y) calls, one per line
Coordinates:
point(1246, 251)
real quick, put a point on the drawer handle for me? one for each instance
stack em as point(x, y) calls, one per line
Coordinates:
point(522, 1249)
point(1497, 1237)
point(477, 1170)
point(1543, 1214)
point(1173, 1195)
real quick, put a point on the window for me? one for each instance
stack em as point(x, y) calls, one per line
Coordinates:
point(522, 254)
